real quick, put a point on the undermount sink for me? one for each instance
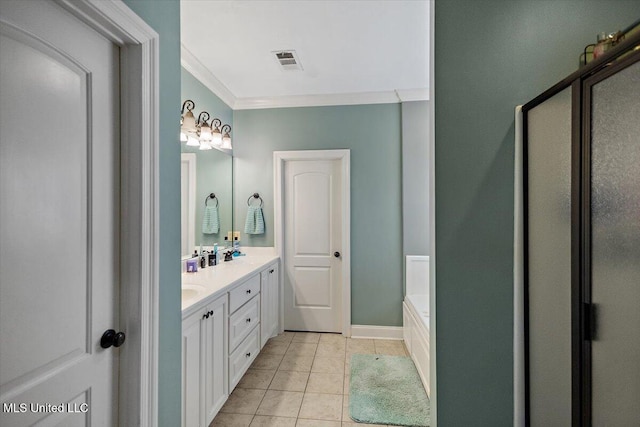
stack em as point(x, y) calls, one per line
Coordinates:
point(190, 291)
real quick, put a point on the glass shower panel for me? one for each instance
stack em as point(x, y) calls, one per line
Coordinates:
point(549, 245)
point(615, 254)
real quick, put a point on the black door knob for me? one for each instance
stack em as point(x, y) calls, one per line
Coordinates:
point(111, 338)
point(336, 254)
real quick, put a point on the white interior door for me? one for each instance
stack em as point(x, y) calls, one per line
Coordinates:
point(59, 210)
point(312, 239)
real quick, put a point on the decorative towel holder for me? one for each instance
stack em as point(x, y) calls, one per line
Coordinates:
point(213, 197)
point(255, 196)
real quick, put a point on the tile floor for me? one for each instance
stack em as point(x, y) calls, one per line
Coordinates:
point(300, 379)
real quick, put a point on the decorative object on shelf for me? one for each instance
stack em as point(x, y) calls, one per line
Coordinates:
point(606, 42)
point(199, 133)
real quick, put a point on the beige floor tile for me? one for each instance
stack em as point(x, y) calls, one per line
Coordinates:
point(243, 401)
point(391, 351)
point(317, 423)
point(316, 406)
point(345, 408)
point(390, 347)
point(354, 424)
point(296, 363)
point(331, 338)
point(275, 347)
point(309, 337)
point(328, 365)
point(271, 421)
point(231, 420)
point(281, 403)
point(361, 346)
point(302, 349)
point(284, 337)
point(347, 379)
point(267, 361)
point(325, 383)
point(257, 378)
point(289, 381)
point(331, 349)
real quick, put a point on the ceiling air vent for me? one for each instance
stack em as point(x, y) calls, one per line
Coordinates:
point(288, 60)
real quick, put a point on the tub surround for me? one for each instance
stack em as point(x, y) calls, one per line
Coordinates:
point(211, 282)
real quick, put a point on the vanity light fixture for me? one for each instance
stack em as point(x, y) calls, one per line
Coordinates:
point(188, 123)
point(226, 138)
point(216, 135)
point(204, 131)
point(198, 133)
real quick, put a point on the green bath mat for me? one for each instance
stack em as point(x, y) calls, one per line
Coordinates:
point(387, 390)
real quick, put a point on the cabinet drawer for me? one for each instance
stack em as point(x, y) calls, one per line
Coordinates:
point(243, 293)
point(241, 359)
point(242, 321)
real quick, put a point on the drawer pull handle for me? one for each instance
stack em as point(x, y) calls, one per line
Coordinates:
point(206, 316)
point(248, 355)
point(249, 320)
point(211, 312)
point(271, 271)
point(248, 291)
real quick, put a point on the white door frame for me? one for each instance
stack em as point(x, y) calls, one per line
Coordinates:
point(139, 232)
point(279, 159)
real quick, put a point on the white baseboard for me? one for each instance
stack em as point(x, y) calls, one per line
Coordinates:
point(377, 332)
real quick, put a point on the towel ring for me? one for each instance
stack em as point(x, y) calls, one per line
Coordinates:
point(211, 196)
point(255, 196)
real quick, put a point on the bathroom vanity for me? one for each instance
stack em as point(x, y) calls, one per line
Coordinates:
point(229, 311)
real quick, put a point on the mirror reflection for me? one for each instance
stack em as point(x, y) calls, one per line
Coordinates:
point(206, 169)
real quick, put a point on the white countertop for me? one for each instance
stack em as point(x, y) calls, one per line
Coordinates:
point(215, 281)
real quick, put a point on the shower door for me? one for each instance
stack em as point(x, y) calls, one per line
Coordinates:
point(582, 246)
point(613, 97)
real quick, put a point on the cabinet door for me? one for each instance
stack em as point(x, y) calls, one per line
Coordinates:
point(269, 306)
point(191, 370)
point(214, 352)
point(274, 299)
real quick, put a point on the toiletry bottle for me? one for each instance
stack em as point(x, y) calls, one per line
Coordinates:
point(236, 246)
point(203, 259)
point(195, 254)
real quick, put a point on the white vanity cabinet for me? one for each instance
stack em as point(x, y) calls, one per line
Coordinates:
point(244, 327)
point(204, 369)
point(269, 290)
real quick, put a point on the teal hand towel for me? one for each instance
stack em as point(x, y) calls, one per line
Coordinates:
point(255, 221)
point(211, 220)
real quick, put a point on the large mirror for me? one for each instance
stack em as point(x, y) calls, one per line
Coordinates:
point(206, 220)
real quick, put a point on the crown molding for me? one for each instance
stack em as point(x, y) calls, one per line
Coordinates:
point(407, 95)
point(193, 65)
point(389, 97)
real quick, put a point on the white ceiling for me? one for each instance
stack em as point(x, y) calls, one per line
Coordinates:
point(351, 51)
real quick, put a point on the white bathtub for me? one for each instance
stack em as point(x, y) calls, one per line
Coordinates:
point(415, 315)
point(416, 334)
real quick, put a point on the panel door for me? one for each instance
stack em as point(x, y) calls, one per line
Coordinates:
point(312, 222)
point(615, 248)
point(59, 210)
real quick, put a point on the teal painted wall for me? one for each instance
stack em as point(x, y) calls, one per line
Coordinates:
point(214, 167)
point(373, 133)
point(164, 17)
point(490, 55)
